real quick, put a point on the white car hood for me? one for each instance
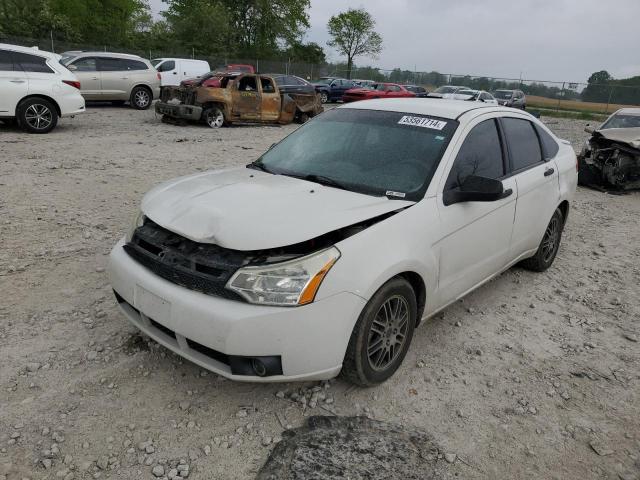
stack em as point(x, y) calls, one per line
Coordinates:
point(244, 209)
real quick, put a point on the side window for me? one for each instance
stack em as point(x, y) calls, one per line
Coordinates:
point(480, 155)
point(524, 147)
point(267, 85)
point(87, 64)
point(247, 84)
point(135, 65)
point(167, 66)
point(31, 63)
point(549, 145)
point(106, 64)
point(6, 63)
point(394, 88)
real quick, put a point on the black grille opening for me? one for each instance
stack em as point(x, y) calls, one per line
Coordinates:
point(202, 267)
point(209, 352)
point(163, 329)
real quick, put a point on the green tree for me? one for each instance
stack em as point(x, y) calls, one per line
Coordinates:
point(201, 25)
point(597, 89)
point(307, 53)
point(258, 28)
point(353, 35)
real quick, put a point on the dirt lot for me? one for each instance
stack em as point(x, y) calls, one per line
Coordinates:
point(532, 376)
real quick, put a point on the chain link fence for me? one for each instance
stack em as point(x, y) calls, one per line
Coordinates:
point(541, 94)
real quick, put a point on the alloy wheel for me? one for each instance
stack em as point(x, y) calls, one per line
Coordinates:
point(141, 98)
point(388, 333)
point(550, 239)
point(38, 116)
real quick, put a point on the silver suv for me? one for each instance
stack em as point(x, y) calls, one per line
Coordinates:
point(114, 77)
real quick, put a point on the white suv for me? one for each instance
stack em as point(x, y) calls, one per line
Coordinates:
point(36, 89)
point(323, 257)
point(115, 77)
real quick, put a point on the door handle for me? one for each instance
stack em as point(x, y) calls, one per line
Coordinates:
point(506, 193)
point(17, 81)
point(549, 172)
point(124, 78)
point(94, 78)
point(175, 73)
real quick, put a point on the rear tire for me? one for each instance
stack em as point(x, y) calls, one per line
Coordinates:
point(382, 335)
point(141, 98)
point(37, 115)
point(548, 248)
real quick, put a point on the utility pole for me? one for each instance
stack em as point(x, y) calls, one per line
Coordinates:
point(51, 33)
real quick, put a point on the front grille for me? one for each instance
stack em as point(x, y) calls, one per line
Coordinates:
point(197, 266)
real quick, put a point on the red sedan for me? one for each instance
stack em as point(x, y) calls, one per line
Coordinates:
point(377, 90)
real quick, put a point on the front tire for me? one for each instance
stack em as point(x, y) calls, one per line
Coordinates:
point(324, 97)
point(214, 117)
point(37, 115)
point(548, 248)
point(382, 335)
point(141, 98)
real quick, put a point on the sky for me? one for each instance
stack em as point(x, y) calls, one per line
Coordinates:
point(554, 40)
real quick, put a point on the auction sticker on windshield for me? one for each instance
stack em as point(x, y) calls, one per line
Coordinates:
point(422, 122)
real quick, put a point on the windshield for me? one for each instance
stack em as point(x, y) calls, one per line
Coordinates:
point(446, 89)
point(156, 61)
point(65, 59)
point(325, 81)
point(502, 94)
point(372, 152)
point(622, 121)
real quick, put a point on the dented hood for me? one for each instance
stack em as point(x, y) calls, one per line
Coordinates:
point(245, 209)
point(624, 135)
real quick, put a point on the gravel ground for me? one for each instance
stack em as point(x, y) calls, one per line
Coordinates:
point(531, 376)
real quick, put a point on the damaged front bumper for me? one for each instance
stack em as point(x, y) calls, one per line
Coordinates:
point(224, 336)
point(181, 111)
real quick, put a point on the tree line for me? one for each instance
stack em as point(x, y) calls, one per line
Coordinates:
point(233, 28)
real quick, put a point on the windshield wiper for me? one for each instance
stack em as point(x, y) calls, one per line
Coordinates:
point(258, 165)
point(322, 180)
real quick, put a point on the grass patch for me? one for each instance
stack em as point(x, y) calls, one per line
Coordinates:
point(573, 105)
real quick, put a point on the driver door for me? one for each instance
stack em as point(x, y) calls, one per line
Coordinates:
point(247, 100)
point(476, 236)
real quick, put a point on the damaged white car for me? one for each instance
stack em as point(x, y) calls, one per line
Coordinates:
point(324, 254)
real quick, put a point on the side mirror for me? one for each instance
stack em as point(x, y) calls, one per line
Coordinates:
point(72, 68)
point(589, 129)
point(476, 189)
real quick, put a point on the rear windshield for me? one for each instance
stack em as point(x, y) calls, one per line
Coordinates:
point(372, 152)
point(502, 94)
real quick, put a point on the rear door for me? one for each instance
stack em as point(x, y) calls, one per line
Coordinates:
point(115, 78)
point(537, 181)
point(40, 75)
point(14, 84)
point(246, 98)
point(271, 101)
point(475, 235)
point(86, 69)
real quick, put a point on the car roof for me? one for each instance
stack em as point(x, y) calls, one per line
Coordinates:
point(30, 50)
point(435, 107)
point(109, 54)
point(178, 58)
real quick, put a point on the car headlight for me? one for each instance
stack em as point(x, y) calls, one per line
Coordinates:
point(291, 283)
point(136, 221)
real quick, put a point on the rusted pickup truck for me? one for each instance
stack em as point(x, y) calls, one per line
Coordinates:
point(244, 98)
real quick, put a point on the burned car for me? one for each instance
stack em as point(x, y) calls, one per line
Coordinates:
point(611, 157)
point(237, 98)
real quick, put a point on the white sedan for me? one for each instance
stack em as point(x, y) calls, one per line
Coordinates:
point(472, 96)
point(323, 255)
